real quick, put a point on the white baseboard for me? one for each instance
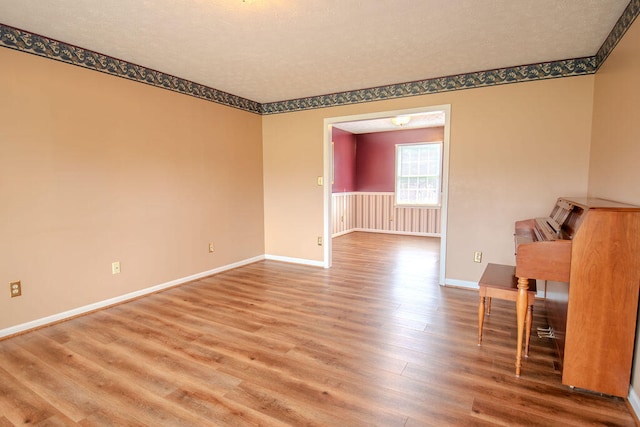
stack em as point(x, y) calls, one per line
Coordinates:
point(461, 283)
point(634, 401)
point(122, 298)
point(295, 260)
point(375, 230)
point(404, 233)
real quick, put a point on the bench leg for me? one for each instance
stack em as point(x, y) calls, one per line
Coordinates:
point(480, 319)
point(529, 321)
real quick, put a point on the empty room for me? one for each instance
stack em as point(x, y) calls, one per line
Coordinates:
point(322, 213)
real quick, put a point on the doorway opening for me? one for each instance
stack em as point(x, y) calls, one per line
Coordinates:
point(389, 121)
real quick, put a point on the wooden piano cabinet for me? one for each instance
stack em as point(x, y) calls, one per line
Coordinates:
point(556, 303)
point(588, 251)
point(603, 302)
point(546, 260)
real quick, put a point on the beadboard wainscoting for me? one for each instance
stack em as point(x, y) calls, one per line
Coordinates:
point(376, 212)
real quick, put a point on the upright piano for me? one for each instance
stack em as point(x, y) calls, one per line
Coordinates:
point(588, 251)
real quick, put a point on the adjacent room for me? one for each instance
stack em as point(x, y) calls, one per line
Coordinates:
point(265, 212)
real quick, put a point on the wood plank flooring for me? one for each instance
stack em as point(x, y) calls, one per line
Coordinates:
point(372, 341)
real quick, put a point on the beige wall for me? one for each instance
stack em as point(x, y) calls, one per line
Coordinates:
point(514, 150)
point(615, 151)
point(95, 169)
point(614, 170)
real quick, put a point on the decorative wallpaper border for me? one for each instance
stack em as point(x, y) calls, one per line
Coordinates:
point(624, 23)
point(546, 70)
point(24, 41)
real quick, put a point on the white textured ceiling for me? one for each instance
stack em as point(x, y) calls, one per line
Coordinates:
point(416, 121)
point(275, 50)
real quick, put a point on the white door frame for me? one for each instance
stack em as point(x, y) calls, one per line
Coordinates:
point(328, 174)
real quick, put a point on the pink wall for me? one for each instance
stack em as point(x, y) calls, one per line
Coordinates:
point(375, 163)
point(344, 158)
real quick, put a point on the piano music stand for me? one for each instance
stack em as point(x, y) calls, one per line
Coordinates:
point(499, 281)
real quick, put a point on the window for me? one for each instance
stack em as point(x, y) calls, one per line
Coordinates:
point(418, 174)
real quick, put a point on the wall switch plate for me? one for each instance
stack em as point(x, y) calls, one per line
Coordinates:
point(319, 240)
point(16, 289)
point(320, 181)
point(477, 256)
point(115, 267)
point(211, 249)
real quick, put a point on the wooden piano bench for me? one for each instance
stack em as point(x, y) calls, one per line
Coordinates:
point(499, 281)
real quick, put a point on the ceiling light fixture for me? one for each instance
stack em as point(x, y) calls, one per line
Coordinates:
point(400, 120)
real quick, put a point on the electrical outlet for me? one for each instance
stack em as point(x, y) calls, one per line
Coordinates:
point(115, 267)
point(319, 240)
point(16, 289)
point(477, 256)
point(211, 247)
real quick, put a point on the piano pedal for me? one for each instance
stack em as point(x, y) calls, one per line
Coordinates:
point(546, 332)
point(549, 334)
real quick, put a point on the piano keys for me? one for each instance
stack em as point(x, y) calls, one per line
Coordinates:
point(589, 251)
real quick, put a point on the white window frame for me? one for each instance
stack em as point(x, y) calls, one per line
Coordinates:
point(398, 172)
